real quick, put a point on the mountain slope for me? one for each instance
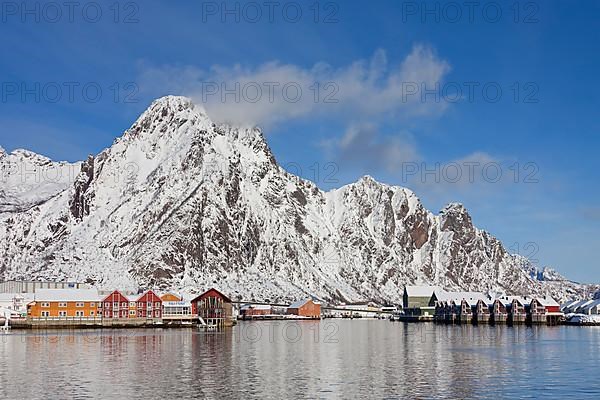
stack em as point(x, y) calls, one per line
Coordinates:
point(179, 201)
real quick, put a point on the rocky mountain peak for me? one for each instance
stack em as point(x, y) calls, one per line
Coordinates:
point(182, 202)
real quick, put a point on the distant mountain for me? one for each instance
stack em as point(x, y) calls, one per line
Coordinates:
point(179, 201)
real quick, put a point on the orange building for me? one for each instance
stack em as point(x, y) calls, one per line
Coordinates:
point(169, 296)
point(64, 303)
point(305, 308)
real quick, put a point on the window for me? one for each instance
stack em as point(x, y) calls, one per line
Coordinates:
point(107, 305)
point(123, 304)
point(80, 305)
point(45, 313)
point(157, 313)
point(46, 305)
point(62, 305)
point(157, 304)
point(92, 304)
point(116, 304)
point(132, 304)
point(79, 313)
point(92, 313)
point(132, 313)
point(62, 313)
point(149, 304)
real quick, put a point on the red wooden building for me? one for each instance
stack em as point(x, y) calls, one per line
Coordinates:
point(149, 306)
point(214, 308)
point(305, 308)
point(115, 305)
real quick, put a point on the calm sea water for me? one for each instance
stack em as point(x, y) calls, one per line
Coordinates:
point(284, 360)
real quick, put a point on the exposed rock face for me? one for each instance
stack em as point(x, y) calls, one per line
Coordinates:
point(79, 203)
point(181, 202)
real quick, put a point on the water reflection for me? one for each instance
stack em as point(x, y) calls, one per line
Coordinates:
point(327, 359)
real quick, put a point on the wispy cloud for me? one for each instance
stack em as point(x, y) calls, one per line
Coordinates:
point(273, 92)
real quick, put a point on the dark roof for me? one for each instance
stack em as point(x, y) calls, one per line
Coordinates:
point(227, 299)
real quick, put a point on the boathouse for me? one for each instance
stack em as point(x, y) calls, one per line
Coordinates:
point(417, 300)
point(305, 308)
point(214, 308)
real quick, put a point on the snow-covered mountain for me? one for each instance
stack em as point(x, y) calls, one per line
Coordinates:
point(179, 201)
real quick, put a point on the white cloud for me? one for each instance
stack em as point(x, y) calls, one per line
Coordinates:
point(273, 92)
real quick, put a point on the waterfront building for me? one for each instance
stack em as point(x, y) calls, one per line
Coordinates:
point(417, 300)
point(16, 302)
point(515, 306)
point(305, 308)
point(499, 315)
point(115, 306)
point(253, 310)
point(64, 303)
point(176, 309)
point(481, 311)
point(214, 308)
point(149, 306)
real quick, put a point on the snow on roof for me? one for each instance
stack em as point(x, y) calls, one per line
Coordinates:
point(591, 305)
point(421, 291)
point(568, 304)
point(471, 297)
point(66, 295)
point(548, 301)
point(581, 304)
point(299, 303)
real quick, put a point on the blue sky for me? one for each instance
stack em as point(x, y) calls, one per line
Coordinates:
point(544, 59)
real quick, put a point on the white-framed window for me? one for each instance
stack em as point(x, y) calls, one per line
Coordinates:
point(93, 304)
point(149, 304)
point(79, 313)
point(116, 304)
point(132, 312)
point(157, 304)
point(80, 305)
point(46, 305)
point(62, 305)
point(62, 313)
point(132, 304)
point(92, 313)
point(157, 313)
point(45, 313)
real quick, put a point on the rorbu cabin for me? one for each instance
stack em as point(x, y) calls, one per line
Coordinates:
point(464, 311)
point(499, 315)
point(544, 310)
point(115, 306)
point(213, 308)
point(481, 312)
point(149, 306)
point(516, 310)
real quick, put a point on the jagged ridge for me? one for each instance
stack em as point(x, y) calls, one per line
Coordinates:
point(179, 201)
